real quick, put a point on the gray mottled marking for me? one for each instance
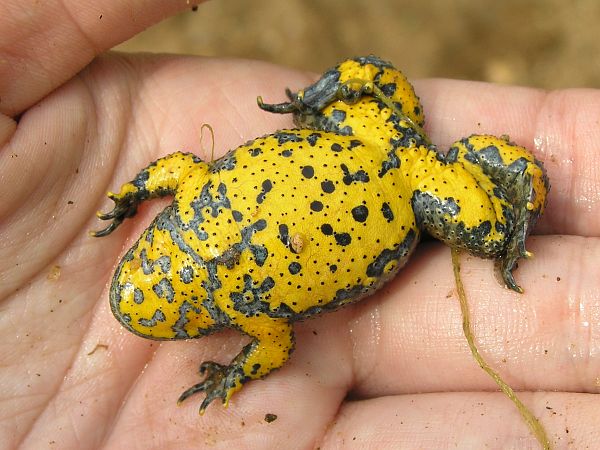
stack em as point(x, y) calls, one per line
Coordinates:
point(164, 262)
point(141, 178)
point(179, 326)
point(164, 289)
point(158, 316)
point(215, 204)
point(227, 162)
point(398, 253)
point(186, 274)
point(249, 299)
point(150, 235)
point(168, 221)
point(138, 296)
point(147, 264)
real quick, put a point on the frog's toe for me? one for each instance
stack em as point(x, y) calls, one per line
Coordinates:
point(217, 384)
point(106, 231)
point(125, 206)
point(506, 267)
point(515, 251)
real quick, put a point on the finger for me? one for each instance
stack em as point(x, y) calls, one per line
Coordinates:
point(42, 47)
point(559, 127)
point(409, 338)
point(463, 420)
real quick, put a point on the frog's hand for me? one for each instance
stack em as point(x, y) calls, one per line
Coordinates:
point(269, 350)
point(158, 179)
point(510, 173)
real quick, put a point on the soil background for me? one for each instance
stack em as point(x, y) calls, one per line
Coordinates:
point(542, 43)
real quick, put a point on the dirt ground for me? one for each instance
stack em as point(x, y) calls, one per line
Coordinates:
point(543, 43)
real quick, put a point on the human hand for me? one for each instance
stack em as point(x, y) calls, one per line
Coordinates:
point(393, 370)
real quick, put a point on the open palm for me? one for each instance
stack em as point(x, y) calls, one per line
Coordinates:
point(392, 371)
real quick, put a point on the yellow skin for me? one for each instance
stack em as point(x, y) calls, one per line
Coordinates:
point(310, 219)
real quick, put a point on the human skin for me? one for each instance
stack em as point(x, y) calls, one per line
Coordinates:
point(392, 371)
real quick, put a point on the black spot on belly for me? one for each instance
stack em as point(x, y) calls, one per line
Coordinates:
point(336, 147)
point(294, 268)
point(284, 234)
point(313, 138)
point(260, 254)
point(255, 151)
point(316, 206)
point(308, 171)
point(259, 225)
point(354, 143)
point(357, 177)
point(387, 212)
point(392, 162)
point(328, 186)
point(287, 153)
point(327, 229)
point(360, 213)
point(206, 202)
point(342, 239)
point(267, 185)
point(333, 268)
point(283, 137)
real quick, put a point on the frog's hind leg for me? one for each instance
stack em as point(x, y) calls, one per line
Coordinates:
point(272, 343)
point(509, 173)
point(157, 180)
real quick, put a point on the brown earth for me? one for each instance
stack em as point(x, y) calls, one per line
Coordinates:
point(543, 43)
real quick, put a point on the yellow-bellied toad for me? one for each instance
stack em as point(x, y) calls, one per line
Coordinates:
point(309, 219)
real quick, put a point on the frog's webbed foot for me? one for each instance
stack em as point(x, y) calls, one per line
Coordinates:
point(220, 382)
point(125, 207)
point(270, 349)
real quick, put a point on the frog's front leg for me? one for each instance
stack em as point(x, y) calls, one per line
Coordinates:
point(516, 183)
point(158, 179)
point(272, 343)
